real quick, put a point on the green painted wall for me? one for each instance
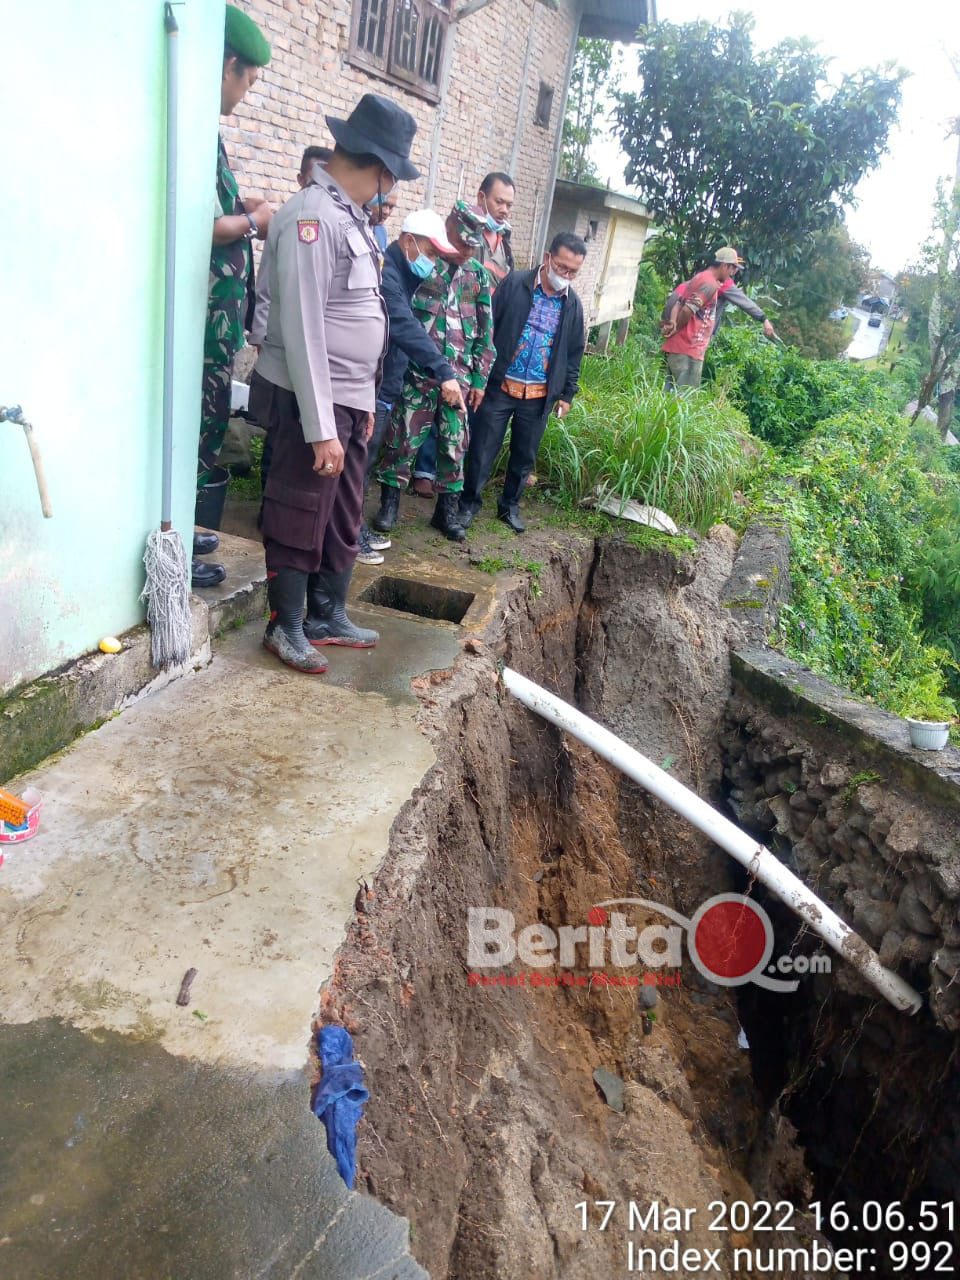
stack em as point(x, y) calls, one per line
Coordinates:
point(83, 108)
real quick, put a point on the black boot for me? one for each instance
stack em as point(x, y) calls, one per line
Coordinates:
point(467, 512)
point(446, 519)
point(204, 544)
point(211, 500)
point(327, 621)
point(208, 515)
point(510, 515)
point(386, 517)
point(204, 574)
point(286, 591)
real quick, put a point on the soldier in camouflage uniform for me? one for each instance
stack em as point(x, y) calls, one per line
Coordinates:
point(236, 223)
point(454, 306)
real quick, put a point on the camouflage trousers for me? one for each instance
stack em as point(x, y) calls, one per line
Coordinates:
point(214, 416)
point(420, 406)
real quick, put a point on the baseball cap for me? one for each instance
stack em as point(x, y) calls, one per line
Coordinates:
point(729, 256)
point(426, 223)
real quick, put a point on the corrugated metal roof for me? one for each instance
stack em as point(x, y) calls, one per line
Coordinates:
point(617, 19)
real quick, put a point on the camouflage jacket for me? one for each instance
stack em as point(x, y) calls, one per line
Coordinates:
point(455, 307)
point(230, 266)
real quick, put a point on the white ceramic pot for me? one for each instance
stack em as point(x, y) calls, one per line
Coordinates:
point(929, 735)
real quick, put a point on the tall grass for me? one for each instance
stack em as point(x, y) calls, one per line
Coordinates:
point(627, 436)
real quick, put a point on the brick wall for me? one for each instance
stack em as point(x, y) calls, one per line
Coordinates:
point(570, 217)
point(501, 55)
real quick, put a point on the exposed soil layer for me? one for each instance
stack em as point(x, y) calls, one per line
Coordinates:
point(485, 1126)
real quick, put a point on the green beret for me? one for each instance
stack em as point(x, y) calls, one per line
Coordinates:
point(245, 38)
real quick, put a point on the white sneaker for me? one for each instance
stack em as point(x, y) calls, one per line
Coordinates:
point(368, 554)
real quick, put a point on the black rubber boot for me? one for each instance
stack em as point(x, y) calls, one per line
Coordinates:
point(327, 621)
point(211, 500)
point(284, 636)
point(446, 518)
point(208, 515)
point(467, 512)
point(386, 517)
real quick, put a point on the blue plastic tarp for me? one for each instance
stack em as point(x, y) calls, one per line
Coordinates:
point(339, 1098)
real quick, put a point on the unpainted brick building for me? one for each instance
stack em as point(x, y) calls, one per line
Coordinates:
point(486, 81)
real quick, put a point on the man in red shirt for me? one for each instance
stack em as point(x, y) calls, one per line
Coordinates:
point(690, 316)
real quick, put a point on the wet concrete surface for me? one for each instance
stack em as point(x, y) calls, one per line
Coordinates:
point(221, 824)
point(118, 1159)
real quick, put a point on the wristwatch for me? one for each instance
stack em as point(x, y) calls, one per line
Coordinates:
point(252, 233)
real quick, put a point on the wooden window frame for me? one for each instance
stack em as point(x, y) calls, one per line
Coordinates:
point(433, 14)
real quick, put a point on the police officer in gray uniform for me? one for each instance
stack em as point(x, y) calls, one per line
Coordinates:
point(322, 354)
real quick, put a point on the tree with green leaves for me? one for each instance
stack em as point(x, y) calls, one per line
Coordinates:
point(831, 271)
point(943, 323)
point(595, 77)
point(730, 144)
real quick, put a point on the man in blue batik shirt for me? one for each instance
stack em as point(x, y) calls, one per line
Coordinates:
point(538, 330)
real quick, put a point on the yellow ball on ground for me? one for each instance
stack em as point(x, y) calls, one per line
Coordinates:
point(110, 644)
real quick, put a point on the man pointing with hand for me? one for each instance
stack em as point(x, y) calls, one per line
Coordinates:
point(322, 353)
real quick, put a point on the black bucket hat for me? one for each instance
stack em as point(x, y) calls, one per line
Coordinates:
point(381, 128)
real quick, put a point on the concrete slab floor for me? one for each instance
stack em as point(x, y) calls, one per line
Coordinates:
point(242, 557)
point(222, 824)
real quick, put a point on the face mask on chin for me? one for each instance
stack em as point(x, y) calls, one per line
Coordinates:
point(492, 224)
point(557, 283)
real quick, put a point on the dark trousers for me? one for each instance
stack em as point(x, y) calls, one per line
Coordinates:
point(381, 420)
point(311, 522)
point(259, 410)
point(527, 420)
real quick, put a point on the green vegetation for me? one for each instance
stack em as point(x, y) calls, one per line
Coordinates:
point(832, 270)
point(247, 487)
point(871, 502)
point(628, 437)
point(783, 394)
point(856, 782)
point(924, 699)
point(872, 515)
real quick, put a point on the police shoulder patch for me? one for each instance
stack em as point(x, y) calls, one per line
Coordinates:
point(308, 229)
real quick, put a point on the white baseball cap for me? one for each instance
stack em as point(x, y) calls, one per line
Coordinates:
point(429, 225)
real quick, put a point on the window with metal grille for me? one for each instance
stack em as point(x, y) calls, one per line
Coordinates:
point(402, 41)
point(544, 106)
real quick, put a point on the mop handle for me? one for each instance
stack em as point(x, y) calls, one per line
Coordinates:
point(170, 269)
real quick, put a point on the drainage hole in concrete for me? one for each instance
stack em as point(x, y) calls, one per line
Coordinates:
point(425, 599)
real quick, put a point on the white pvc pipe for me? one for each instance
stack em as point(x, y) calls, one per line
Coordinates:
point(759, 861)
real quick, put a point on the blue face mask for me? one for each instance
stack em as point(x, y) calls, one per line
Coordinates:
point(493, 225)
point(501, 228)
point(422, 266)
